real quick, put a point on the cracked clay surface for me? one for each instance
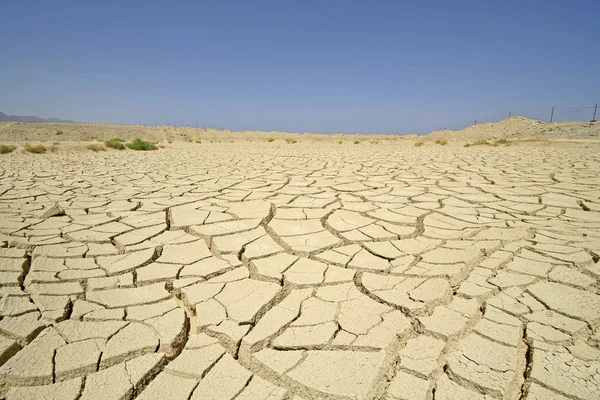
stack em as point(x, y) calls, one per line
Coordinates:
point(239, 272)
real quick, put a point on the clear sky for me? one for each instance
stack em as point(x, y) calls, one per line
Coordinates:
point(304, 66)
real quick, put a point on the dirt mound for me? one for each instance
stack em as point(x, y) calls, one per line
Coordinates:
point(27, 131)
point(522, 128)
point(512, 129)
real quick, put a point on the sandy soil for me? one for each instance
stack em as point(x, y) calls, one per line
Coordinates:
point(516, 128)
point(314, 270)
point(522, 129)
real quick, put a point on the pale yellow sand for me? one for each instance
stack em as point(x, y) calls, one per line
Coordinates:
point(516, 128)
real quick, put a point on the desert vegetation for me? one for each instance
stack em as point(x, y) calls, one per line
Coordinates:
point(96, 147)
point(36, 149)
point(139, 144)
point(5, 149)
point(115, 143)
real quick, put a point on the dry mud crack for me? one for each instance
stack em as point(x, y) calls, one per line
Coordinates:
point(261, 273)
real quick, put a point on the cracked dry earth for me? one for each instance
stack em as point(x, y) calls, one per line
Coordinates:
point(318, 273)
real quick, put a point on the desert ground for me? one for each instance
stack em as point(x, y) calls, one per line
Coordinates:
point(242, 267)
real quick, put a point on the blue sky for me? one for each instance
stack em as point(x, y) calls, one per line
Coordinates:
point(302, 66)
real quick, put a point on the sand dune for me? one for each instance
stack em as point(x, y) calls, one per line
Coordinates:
point(515, 128)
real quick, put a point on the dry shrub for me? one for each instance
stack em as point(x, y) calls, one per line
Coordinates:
point(37, 149)
point(96, 147)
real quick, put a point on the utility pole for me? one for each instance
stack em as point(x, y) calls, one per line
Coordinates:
point(509, 114)
point(595, 109)
point(552, 115)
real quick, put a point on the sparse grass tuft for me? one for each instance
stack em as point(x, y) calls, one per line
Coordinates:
point(441, 142)
point(502, 141)
point(96, 147)
point(481, 142)
point(115, 143)
point(198, 141)
point(139, 144)
point(38, 149)
point(55, 143)
point(356, 141)
point(339, 142)
point(419, 144)
point(467, 145)
point(270, 139)
point(4, 149)
point(59, 132)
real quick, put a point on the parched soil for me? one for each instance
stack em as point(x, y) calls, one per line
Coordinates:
point(267, 270)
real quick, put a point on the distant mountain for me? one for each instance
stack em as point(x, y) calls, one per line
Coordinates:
point(29, 118)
